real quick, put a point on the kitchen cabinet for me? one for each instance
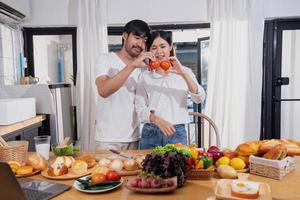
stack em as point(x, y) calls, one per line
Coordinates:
point(27, 133)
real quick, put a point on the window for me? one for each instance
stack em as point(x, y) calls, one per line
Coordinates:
point(8, 56)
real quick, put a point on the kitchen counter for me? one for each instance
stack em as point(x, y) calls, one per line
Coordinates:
point(21, 125)
point(287, 188)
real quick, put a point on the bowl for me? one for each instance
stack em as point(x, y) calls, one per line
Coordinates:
point(68, 150)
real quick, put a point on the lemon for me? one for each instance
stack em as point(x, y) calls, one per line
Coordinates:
point(237, 163)
point(223, 161)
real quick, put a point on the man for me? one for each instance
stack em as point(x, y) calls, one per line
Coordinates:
point(116, 80)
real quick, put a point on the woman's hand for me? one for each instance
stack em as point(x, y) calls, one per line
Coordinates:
point(163, 125)
point(177, 66)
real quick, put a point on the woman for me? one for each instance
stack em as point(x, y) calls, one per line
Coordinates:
point(161, 96)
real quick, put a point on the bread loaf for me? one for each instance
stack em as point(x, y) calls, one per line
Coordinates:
point(248, 148)
point(37, 161)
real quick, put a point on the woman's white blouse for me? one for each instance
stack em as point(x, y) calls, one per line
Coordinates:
point(165, 94)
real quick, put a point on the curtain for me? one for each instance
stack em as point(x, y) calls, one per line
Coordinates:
point(235, 70)
point(92, 41)
point(290, 110)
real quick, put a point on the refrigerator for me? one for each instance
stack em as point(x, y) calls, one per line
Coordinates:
point(62, 121)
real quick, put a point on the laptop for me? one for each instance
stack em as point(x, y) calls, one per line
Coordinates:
point(26, 188)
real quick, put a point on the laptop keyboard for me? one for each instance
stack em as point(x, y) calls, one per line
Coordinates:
point(35, 194)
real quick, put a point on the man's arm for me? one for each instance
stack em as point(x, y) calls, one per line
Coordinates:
point(106, 86)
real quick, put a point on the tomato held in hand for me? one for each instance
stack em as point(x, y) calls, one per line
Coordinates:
point(112, 176)
point(165, 65)
point(154, 65)
point(98, 178)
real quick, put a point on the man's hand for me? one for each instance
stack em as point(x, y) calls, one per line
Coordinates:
point(140, 61)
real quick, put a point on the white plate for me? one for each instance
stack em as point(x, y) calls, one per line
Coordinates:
point(77, 187)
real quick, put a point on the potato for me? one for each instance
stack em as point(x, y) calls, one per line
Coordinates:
point(226, 171)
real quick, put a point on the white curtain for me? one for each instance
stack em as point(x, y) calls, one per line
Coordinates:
point(235, 70)
point(92, 41)
point(290, 110)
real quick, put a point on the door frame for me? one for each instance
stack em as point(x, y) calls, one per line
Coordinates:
point(271, 93)
point(28, 34)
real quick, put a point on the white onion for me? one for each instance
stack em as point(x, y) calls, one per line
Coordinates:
point(116, 165)
point(104, 162)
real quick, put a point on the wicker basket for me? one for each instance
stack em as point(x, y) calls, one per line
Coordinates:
point(275, 169)
point(16, 150)
point(200, 174)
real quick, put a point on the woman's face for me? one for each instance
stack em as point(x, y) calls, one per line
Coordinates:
point(161, 49)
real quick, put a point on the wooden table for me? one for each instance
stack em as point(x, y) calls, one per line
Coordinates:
point(287, 188)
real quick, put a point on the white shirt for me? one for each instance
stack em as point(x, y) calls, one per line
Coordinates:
point(166, 95)
point(116, 119)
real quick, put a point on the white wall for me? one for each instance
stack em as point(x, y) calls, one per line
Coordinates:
point(157, 11)
point(281, 8)
point(48, 13)
point(64, 12)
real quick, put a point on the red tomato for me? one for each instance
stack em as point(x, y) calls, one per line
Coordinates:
point(112, 176)
point(154, 65)
point(98, 178)
point(165, 65)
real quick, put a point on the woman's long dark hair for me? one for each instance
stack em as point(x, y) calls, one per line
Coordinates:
point(166, 35)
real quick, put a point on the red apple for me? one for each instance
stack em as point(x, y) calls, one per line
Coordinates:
point(230, 154)
point(212, 149)
point(217, 155)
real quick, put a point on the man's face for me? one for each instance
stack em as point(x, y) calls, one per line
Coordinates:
point(133, 44)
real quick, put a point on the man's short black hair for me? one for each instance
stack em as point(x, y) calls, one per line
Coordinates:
point(137, 27)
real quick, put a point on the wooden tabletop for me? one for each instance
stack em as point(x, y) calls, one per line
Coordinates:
point(287, 188)
point(5, 129)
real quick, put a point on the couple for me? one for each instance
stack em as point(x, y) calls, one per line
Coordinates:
point(129, 93)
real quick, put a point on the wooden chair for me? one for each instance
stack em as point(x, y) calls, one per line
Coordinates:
point(208, 127)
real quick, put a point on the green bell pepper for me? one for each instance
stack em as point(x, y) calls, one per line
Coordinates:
point(207, 161)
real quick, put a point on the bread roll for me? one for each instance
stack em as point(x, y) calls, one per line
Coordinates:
point(37, 161)
point(277, 153)
point(59, 161)
point(79, 167)
point(24, 170)
point(68, 161)
point(89, 160)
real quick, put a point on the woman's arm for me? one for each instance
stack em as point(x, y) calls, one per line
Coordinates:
point(147, 114)
point(195, 90)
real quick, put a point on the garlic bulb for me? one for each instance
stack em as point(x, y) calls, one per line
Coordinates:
point(116, 165)
point(104, 162)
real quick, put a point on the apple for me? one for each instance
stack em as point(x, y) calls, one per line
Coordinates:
point(212, 149)
point(230, 154)
point(217, 155)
